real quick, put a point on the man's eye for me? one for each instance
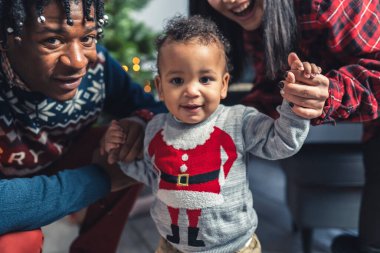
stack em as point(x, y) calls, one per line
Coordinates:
point(204, 79)
point(88, 40)
point(52, 41)
point(177, 81)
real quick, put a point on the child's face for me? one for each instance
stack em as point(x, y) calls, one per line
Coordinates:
point(192, 80)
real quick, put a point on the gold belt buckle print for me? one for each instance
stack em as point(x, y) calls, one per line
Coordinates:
point(183, 180)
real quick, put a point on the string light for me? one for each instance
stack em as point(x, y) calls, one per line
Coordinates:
point(136, 67)
point(136, 60)
point(147, 87)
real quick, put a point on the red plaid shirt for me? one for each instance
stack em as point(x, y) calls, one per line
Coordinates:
point(342, 37)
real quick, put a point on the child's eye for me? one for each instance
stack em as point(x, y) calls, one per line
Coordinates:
point(177, 81)
point(205, 80)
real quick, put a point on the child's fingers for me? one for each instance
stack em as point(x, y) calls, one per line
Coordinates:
point(110, 146)
point(290, 77)
point(114, 135)
point(118, 137)
point(115, 138)
point(115, 126)
point(307, 69)
point(315, 70)
point(297, 65)
point(300, 78)
point(294, 62)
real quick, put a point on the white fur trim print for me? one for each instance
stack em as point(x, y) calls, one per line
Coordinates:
point(189, 199)
point(185, 139)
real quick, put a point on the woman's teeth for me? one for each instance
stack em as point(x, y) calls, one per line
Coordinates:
point(243, 9)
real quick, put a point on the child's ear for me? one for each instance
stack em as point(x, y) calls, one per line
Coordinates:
point(157, 83)
point(225, 81)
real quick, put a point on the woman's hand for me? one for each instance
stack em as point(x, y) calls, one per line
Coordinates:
point(304, 89)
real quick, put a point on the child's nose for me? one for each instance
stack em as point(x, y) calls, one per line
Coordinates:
point(192, 89)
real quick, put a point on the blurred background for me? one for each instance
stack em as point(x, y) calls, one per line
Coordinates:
point(133, 27)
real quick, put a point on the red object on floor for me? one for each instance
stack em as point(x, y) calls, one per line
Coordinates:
point(22, 242)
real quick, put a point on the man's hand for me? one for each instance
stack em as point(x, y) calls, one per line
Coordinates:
point(306, 92)
point(118, 179)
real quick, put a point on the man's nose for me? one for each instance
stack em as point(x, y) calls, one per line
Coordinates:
point(74, 56)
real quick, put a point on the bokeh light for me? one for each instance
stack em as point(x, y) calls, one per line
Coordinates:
point(136, 60)
point(147, 87)
point(136, 67)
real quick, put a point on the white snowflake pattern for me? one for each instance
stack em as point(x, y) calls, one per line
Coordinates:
point(41, 111)
point(75, 103)
point(96, 89)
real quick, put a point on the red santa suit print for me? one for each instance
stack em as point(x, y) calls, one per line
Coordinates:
point(193, 165)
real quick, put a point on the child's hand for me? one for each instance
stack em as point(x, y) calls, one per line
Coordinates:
point(111, 142)
point(305, 88)
point(132, 148)
point(309, 70)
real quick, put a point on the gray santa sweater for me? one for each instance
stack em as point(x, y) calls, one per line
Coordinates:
point(198, 173)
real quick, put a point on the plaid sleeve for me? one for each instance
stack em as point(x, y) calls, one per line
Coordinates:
point(352, 34)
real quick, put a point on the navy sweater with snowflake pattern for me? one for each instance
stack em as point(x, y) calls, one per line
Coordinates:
point(35, 131)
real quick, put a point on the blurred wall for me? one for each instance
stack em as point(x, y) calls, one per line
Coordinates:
point(157, 11)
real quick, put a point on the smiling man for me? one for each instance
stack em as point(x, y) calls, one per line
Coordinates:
point(54, 84)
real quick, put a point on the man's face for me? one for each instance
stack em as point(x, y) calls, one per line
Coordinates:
point(53, 56)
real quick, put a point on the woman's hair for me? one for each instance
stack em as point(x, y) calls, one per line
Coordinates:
point(185, 29)
point(13, 14)
point(279, 27)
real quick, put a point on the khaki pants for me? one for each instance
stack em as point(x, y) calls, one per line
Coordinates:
point(254, 247)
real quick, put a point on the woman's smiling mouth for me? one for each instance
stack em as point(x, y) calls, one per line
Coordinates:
point(244, 8)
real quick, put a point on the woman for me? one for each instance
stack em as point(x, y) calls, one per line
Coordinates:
point(341, 37)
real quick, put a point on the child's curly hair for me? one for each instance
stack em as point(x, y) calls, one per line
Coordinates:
point(184, 29)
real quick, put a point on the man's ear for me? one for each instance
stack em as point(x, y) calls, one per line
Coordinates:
point(225, 81)
point(157, 83)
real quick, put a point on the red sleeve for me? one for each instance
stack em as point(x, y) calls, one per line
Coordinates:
point(230, 148)
point(353, 37)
